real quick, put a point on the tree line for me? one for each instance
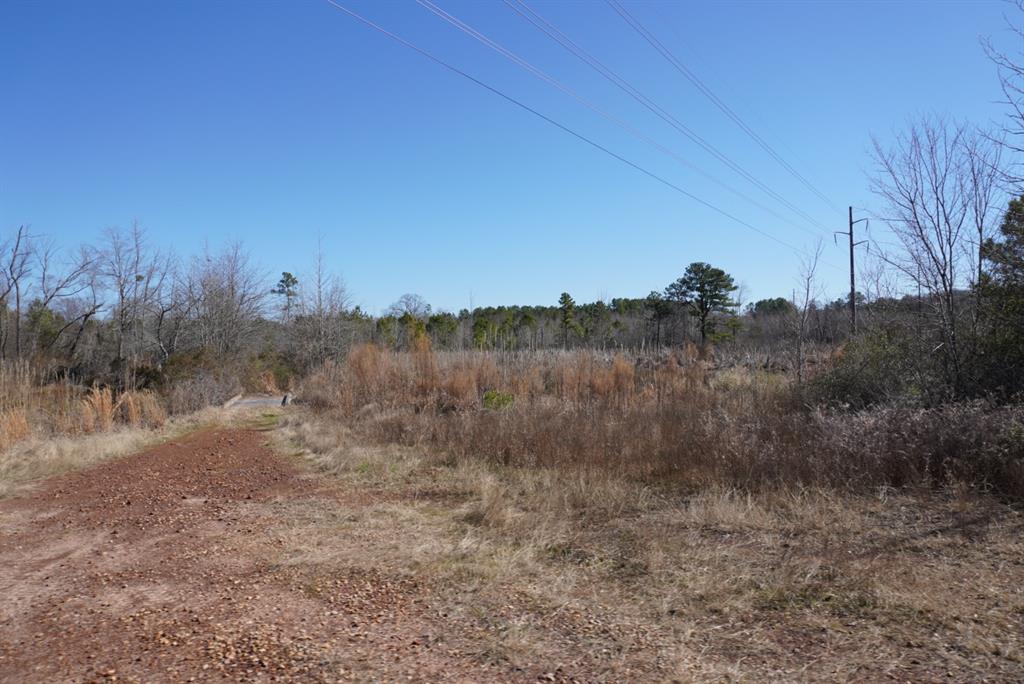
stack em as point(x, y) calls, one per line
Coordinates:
point(126, 314)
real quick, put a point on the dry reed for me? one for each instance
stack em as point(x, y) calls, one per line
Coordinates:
point(668, 418)
point(36, 400)
point(13, 427)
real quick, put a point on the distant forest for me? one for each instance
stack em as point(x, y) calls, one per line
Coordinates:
point(124, 314)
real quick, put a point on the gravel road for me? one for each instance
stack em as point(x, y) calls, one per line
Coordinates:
point(164, 567)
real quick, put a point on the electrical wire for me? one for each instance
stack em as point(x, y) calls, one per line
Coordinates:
point(708, 93)
point(580, 53)
point(579, 136)
point(480, 37)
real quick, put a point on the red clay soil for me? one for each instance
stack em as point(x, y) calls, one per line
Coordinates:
point(157, 568)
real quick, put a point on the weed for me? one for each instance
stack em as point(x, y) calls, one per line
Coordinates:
point(495, 400)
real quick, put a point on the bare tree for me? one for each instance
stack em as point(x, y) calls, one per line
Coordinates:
point(411, 304)
point(1011, 82)
point(61, 281)
point(80, 310)
point(804, 302)
point(937, 182)
point(323, 306)
point(16, 269)
point(225, 293)
point(136, 275)
point(171, 310)
point(984, 168)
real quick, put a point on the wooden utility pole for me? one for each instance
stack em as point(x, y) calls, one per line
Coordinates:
point(853, 279)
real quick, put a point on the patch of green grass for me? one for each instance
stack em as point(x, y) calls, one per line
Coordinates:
point(495, 400)
point(266, 421)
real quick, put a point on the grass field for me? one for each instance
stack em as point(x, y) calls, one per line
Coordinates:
point(667, 519)
point(644, 583)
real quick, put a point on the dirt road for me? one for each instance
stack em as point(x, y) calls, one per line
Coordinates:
point(159, 567)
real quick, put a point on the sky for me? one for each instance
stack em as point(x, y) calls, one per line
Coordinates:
point(291, 124)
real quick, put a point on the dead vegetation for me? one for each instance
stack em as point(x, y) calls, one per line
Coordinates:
point(671, 418)
point(590, 517)
point(664, 519)
point(32, 403)
point(608, 578)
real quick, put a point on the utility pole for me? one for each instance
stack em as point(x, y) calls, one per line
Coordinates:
point(853, 280)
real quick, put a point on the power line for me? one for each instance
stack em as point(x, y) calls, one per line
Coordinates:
point(707, 92)
point(508, 54)
point(593, 62)
point(564, 128)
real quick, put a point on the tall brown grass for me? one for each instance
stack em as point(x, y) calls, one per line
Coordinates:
point(33, 400)
point(18, 382)
point(13, 427)
point(673, 417)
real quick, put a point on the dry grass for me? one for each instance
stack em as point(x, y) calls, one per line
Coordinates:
point(619, 580)
point(140, 409)
point(18, 381)
point(33, 398)
point(35, 403)
point(13, 427)
point(671, 418)
point(99, 406)
point(668, 519)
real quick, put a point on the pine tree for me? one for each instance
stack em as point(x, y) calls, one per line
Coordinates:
point(287, 287)
point(567, 308)
point(1002, 305)
point(705, 290)
point(658, 309)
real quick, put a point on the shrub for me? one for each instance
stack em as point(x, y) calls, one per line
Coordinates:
point(882, 367)
point(495, 400)
point(205, 389)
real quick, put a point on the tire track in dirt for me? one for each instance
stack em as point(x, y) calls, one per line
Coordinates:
point(154, 568)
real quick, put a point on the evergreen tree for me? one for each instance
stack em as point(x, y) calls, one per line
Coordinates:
point(773, 307)
point(1002, 305)
point(567, 311)
point(658, 309)
point(287, 287)
point(705, 290)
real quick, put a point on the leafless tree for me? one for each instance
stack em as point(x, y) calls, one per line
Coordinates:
point(322, 306)
point(804, 301)
point(225, 293)
point(16, 269)
point(171, 310)
point(81, 309)
point(937, 182)
point(984, 168)
point(1011, 82)
point(137, 276)
point(60, 282)
point(411, 304)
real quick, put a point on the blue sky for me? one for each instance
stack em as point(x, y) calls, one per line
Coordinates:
point(278, 122)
